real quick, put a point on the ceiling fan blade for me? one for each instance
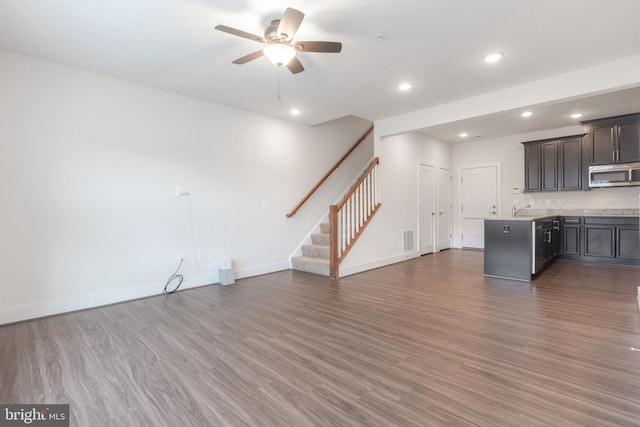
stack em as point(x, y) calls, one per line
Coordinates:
point(290, 23)
point(295, 66)
point(328, 47)
point(247, 58)
point(240, 33)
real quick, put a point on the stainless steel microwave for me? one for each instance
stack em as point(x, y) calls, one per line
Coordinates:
point(616, 175)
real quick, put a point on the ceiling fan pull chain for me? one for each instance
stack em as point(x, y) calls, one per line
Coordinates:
point(279, 89)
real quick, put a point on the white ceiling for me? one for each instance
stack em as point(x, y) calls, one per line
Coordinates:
point(438, 45)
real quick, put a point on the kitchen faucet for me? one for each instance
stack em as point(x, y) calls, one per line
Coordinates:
point(515, 210)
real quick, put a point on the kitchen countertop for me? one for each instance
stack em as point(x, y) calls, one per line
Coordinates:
point(541, 214)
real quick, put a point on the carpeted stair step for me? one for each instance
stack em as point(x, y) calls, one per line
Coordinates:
point(315, 251)
point(311, 265)
point(321, 239)
point(324, 227)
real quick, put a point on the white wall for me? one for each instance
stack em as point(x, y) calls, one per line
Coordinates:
point(509, 153)
point(400, 156)
point(89, 169)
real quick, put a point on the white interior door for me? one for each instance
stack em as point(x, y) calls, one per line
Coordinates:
point(444, 209)
point(427, 208)
point(479, 197)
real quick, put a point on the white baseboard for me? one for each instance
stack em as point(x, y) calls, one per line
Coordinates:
point(262, 269)
point(359, 268)
point(97, 299)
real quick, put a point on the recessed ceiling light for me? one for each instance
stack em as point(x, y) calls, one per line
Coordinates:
point(405, 86)
point(464, 135)
point(527, 114)
point(296, 111)
point(576, 115)
point(494, 57)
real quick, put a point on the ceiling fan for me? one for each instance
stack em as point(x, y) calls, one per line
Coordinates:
point(280, 48)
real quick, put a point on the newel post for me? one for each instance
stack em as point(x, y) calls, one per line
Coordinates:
point(333, 242)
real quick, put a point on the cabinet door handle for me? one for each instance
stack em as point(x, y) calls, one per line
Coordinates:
point(618, 132)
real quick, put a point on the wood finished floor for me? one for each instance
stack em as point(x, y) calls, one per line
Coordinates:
point(426, 342)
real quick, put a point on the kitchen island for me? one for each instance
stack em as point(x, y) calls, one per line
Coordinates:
point(523, 246)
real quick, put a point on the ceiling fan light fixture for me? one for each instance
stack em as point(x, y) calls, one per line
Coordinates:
point(493, 57)
point(280, 54)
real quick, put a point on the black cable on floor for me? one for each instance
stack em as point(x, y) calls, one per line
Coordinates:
point(173, 277)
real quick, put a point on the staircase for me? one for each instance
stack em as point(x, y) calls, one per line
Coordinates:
point(347, 220)
point(315, 257)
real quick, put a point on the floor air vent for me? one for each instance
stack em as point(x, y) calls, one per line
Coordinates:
point(407, 241)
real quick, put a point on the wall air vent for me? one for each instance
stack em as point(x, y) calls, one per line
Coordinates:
point(407, 241)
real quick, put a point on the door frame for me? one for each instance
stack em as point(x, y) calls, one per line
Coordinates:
point(448, 210)
point(434, 202)
point(498, 166)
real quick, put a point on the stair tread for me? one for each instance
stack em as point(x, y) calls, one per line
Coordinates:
point(312, 259)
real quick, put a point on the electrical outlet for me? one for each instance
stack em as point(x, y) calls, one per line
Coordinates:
point(180, 257)
point(181, 192)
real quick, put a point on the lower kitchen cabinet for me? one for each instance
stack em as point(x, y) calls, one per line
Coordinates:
point(599, 241)
point(613, 240)
point(628, 243)
point(570, 236)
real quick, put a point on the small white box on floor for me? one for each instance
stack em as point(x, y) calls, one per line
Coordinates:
point(226, 276)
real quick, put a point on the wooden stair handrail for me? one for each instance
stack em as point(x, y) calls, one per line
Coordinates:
point(328, 174)
point(353, 188)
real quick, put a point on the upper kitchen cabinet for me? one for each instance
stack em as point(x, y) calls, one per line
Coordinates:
point(614, 140)
point(532, 167)
point(553, 165)
point(570, 161)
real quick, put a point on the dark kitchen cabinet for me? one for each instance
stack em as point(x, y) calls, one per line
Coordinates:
point(613, 240)
point(549, 172)
point(599, 240)
point(541, 166)
point(570, 163)
point(628, 242)
point(610, 237)
point(532, 167)
point(553, 165)
point(614, 140)
point(570, 232)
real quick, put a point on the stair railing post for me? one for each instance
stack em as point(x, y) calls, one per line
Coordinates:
point(333, 242)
